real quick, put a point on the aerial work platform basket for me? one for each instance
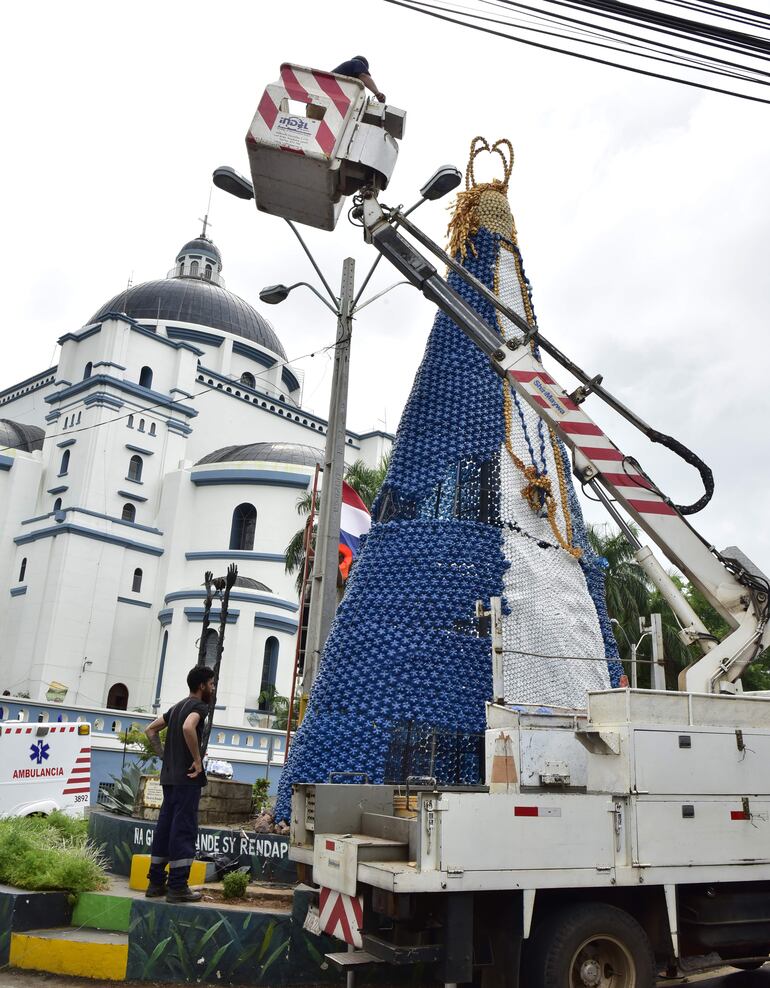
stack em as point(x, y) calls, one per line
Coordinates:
point(315, 139)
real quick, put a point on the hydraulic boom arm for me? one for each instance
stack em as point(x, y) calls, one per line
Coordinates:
point(732, 585)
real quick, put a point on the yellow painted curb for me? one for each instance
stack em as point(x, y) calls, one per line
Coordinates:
point(140, 865)
point(102, 961)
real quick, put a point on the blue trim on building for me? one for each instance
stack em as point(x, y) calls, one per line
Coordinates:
point(272, 478)
point(180, 428)
point(166, 616)
point(100, 399)
point(161, 667)
point(244, 350)
point(29, 521)
point(117, 521)
point(67, 442)
point(274, 622)
point(154, 335)
point(68, 528)
point(127, 387)
point(136, 603)
point(289, 379)
point(6, 462)
point(195, 615)
point(179, 333)
point(82, 335)
point(132, 497)
point(236, 554)
point(53, 490)
point(179, 391)
point(35, 379)
point(109, 363)
point(140, 449)
point(376, 432)
point(52, 416)
point(18, 591)
point(254, 598)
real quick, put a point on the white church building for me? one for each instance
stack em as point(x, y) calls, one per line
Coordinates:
point(169, 440)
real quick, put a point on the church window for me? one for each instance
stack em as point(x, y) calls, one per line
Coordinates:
point(141, 425)
point(235, 739)
point(210, 650)
point(248, 379)
point(130, 421)
point(152, 428)
point(207, 272)
point(136, 585)
point(145, 377)
point(129, 512)
point(135, 465)
point(243, 527)
point(117, 699)
point(79, 414)
point(57, 505)
point(22, 569)
point(180, 272)
point(87, 372)
point(194, 269)
point(269, 673)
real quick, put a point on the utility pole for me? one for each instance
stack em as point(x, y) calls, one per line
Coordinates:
point(658, 677)
point(323, 598)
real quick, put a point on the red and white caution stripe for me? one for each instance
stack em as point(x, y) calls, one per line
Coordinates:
point(80, 776)
point(580, 433)
point(341, 916)
point(537, 811)
point(299, 134)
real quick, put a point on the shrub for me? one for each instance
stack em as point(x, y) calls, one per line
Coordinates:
point(234, 884)
point(49, 853)
point(259, 794)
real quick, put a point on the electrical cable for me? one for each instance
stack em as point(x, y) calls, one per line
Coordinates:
point(420, 7)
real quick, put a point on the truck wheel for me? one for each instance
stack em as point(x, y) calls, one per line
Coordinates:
point(591, 945)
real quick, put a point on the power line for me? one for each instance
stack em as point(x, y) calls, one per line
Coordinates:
point(695, 32)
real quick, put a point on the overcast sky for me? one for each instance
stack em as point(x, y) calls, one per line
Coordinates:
point(642, 208)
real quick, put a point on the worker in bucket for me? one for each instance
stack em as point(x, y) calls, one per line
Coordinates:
point(182, 778)
point(358, 68)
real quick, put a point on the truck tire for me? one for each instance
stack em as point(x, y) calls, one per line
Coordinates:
point(590, 945)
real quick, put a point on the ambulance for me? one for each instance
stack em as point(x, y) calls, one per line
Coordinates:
point(44, 767)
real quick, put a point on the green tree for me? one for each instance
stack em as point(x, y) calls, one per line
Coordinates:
point(366, 482)
point(627, 588)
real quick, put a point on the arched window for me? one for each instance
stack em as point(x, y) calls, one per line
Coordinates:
point(243, 527)
point(210, 652)
point(66, 422)
point(152, 428)
point(248, 379)
point(57, 504)
point(130, 421)
point(22, 569)
point(141, 425)
point(269, 672)
point(117, 698)
point(65, 463)
point(145, 377)
point(136, 586)
point(180, 272)
point(135, 465)
point(129, 512)
point(207, 272)
point(87, 372)
point(194, 269)
point(79, 414)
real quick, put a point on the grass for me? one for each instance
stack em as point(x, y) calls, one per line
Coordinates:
point(50, 852)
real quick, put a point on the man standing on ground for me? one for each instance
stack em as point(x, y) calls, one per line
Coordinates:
point(182, 778)
point(358, 67)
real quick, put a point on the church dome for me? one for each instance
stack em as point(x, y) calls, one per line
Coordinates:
point(271, 452)
point(14, 435)
point(194, 293)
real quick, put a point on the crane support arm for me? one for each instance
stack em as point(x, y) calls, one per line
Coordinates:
point(739, 595)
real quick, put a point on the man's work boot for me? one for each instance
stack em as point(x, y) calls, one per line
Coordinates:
point(155, 891)
point(183, 894)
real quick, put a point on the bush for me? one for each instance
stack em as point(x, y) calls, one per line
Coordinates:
point(50, 853)
point(259, 794)
point(234, 884)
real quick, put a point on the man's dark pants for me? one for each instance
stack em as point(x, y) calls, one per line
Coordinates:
point(175, 836)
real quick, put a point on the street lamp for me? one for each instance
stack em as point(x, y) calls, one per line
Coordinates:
point(323, 598)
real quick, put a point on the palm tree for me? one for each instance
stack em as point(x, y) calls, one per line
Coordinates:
point(627, 588)
point(366, 482)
